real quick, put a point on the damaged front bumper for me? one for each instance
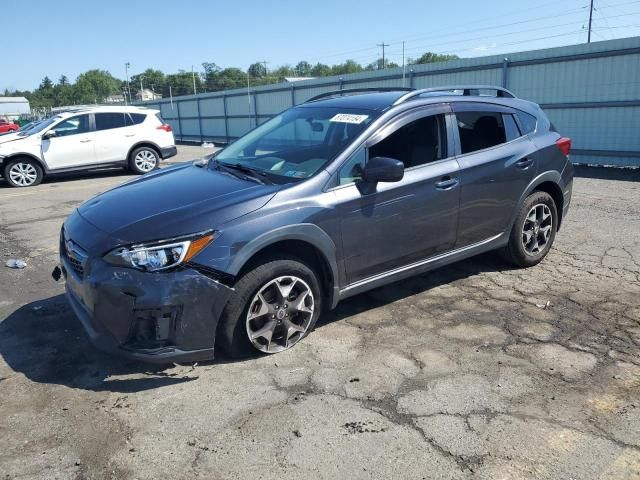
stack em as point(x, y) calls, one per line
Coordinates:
point(152, 316)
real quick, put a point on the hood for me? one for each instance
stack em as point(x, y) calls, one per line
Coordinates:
point(10, 137)
point(172, 202)
point(13, 142)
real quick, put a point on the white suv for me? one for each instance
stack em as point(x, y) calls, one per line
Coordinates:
point(85, 139)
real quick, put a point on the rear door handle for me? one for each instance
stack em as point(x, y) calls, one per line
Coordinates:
point(129, 134)
point(446, 183)
point(524, 163)
point(85, 140)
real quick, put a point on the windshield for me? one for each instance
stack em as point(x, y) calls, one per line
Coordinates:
point(297, 143)
point(42, 126)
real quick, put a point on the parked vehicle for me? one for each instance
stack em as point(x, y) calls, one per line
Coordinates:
point(7, 126)
point(347, 192)
point(84, 139)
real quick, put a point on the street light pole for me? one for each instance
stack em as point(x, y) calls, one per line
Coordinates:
point(141, 96)
point(126, 71)
point(193, 76)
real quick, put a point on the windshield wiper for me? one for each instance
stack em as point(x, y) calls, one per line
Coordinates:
point(253, 173)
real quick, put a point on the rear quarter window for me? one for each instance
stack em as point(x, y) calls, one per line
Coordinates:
point(137, 118)
point(527, 122)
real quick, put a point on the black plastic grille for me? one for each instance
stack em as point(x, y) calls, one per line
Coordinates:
point(73, 254)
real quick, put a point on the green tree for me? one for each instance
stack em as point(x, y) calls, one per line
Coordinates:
point(303, 69)
point(231, 78)
point(257, 70)
point(350, 66)
point(62, 92)
point(181, 83)
point(211, 73)
point(151, 79)
point(430, 57)
point(320, 70)
point(94, 86)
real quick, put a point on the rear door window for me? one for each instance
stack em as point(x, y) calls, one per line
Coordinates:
point(110, 120)
point(480, 130)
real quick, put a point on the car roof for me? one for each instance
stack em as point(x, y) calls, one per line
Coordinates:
point(106, 109)
point(366, 101)
point(388, 100)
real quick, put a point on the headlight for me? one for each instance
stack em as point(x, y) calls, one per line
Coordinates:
point(159, 255)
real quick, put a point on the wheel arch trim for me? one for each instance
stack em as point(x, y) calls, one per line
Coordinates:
point(551, 176)
point(145, 143)
point(30, 156)
point(305, 232)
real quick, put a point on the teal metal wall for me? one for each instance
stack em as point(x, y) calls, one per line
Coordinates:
point(591, 92)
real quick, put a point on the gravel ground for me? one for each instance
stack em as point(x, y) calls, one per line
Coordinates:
point(471, 371)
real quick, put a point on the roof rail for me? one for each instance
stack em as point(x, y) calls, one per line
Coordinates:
point(467, 90)
point(338, 93)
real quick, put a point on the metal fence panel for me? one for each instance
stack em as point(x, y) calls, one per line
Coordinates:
point(591, 93)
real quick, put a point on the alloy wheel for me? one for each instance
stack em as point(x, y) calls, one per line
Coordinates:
point(279, 314)
point(23, 174)
point(146, 160)
point(537, 228)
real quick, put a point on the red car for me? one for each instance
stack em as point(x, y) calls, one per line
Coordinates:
point(7, 126)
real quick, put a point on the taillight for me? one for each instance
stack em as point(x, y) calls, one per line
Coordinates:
point(564, 144)
point(166, 127)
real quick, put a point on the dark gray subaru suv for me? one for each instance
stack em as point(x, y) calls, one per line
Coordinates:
point(346, 192)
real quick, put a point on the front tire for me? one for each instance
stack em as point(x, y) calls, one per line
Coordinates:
point(274, 306)
point(143, 160)
point(533, 231)
point(23, 172)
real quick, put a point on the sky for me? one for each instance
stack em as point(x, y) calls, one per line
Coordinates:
point(71, 36)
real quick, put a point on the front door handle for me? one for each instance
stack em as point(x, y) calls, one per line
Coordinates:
point(446, 183)
point(129, 134)
point(85, 140)
point(524, 163)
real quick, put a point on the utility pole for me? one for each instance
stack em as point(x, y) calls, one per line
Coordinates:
point(193, 76)
point(171, 97)
point(141, 96)
point(249, 96)
point(403, 67)
point(590, 18)
point(382, 45)
point(126, 72)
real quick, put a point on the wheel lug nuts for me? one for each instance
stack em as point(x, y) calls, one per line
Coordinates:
point(286, 306)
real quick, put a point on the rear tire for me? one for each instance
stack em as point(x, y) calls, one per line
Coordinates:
point(144, 160)
point(533, 231)
point(23, 172)
point(257, 305)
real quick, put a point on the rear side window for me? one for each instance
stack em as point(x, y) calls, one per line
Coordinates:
point(135, 118)
point(528, 122)
point(510, 127)
point(480, 130)
point(107, 121)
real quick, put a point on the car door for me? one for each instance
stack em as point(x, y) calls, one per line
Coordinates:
point(72, 145)
point(115, 134)
point(496, 165)
point(391, 225)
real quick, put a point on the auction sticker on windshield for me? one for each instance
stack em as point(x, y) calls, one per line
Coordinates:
point(348, 118)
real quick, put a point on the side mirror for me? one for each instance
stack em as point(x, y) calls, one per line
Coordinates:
point(383, 169)
point(49, 134)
